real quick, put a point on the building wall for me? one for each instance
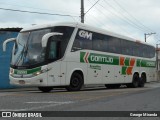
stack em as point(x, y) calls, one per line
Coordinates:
point(5, 58)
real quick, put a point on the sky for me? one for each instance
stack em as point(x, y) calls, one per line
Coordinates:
point(132, 18)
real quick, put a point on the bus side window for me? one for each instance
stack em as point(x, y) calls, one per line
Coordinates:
point(112, 45)
point(81, 43)
point(77, 45)
point(53, 50)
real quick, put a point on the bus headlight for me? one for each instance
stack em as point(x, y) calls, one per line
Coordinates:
point(11, 71)
point(40, 72)
point(37, 73)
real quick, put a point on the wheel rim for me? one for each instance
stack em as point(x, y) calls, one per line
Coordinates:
point(75, 82)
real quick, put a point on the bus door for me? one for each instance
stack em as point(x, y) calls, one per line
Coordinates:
point(54, 74)
point(57, 73)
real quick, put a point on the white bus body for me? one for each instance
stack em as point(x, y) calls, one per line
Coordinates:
point(73, 54)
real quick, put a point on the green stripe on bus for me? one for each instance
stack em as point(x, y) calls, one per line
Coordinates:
point(127, 62)
point(124, 68)
point(138, 63)
point(98, 58)
point(86, 57)
point(146, 63)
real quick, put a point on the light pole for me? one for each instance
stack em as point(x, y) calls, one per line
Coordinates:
point(149, 34)
point(157, 50)
point(157, 61)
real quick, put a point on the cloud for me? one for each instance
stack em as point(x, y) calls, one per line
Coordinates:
point(110, 17)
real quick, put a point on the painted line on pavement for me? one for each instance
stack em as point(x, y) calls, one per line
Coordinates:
point(39, 107)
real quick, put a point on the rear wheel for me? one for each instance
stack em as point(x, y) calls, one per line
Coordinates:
point(45, 89)
point(142, 80)
point(76, 82)
point(135, 81)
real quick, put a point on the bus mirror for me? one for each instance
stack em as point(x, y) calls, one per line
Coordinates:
point(6, 41)
point(46, 37)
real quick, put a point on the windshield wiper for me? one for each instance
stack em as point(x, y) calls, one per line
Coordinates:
point(20, 56)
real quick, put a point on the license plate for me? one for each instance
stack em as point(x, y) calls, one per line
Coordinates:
point(21, 82)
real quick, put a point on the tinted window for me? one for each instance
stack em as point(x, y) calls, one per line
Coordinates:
point(83, 40)
point(106, 43)
point(136, 48)
point(98, 42)
point(114, 45)
point(53, 53)
point(67, 32)
point(127, 47)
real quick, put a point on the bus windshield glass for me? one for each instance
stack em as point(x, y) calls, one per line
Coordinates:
point(28, 49)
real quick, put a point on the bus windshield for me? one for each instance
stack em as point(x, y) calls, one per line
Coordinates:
point(28, 49)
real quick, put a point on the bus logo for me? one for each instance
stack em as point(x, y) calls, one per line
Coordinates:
point(85, 34)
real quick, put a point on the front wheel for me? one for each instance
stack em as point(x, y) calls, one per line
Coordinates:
point(45, 89)
point(76, 82)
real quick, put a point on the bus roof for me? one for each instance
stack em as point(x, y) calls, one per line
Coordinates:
point(85, 27)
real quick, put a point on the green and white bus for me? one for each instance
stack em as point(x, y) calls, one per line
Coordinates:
point(73, 55)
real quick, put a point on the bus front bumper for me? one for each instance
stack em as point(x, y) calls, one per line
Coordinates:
point(39, 80)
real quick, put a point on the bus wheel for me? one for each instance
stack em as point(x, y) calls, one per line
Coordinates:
point(142, 80)
point(45, 89)
point(135, 81)
point(76, 82)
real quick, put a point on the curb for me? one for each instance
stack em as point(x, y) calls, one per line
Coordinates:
point(19, 89)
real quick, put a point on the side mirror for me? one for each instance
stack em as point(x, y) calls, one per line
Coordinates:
point(47, 36)
point(6, 41)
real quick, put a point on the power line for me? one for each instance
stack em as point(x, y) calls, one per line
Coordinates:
point(136, 20)
point(124, 18)
point(82, 10)
point(92, 7)
point(12, 4)
point(129, 21)
point(101, 12)
point(33, 12)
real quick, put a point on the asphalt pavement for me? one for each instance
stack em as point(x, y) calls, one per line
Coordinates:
point(88, 99)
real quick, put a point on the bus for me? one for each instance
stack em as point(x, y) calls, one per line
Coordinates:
point(74, 55)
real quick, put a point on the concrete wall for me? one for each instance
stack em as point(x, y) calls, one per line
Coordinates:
point(5, 58)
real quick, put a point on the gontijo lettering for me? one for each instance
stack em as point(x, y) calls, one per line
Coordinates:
point(101, 59)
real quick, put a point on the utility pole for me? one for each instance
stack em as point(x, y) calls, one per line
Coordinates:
point(145, 35)
point(82, 11)
point(157, 62)
point(157, 53)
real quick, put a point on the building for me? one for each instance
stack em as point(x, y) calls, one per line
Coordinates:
point(5, 57)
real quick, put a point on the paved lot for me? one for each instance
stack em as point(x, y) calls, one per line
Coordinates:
point(90, 99)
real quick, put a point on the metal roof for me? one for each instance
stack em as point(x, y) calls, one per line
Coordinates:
point(11, 29)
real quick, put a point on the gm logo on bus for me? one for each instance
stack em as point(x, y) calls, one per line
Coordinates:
point(85, 34)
